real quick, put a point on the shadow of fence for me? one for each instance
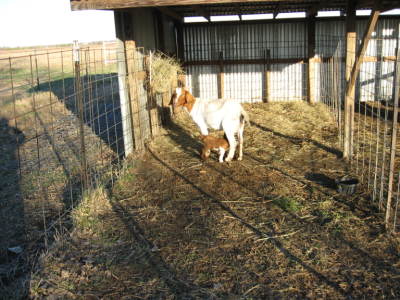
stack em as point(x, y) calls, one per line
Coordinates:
point(101, 104)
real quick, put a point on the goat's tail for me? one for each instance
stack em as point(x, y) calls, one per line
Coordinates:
point(245, 117)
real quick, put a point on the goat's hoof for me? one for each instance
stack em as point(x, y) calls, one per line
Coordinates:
point(228, 159)
point(240, 158)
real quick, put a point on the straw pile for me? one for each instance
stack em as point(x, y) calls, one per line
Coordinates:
point(164, 71)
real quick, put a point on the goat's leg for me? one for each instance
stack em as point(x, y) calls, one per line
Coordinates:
point(240, 138)
point(232, 145)
point(221, 154)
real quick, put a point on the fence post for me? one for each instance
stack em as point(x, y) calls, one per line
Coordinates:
point(311, 60)
point(126, 110)
point(351, 45)
point(221, 77)
point(37, 73)
point(80, 107)
point(394, 138)
point(151, 99)
point(131, 63)
point(267, 75)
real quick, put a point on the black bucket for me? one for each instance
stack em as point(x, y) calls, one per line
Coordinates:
point(347, 185)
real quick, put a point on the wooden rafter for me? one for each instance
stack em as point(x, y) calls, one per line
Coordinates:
point(171, 13)
point(117, 4)
point(202, 12)
point(276, 11)
point(313, 10)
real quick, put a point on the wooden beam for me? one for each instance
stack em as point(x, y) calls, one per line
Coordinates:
point(351, 80)
point(276, 11)
point(130, 52)
point(361, 52)
point(311, 54)
point(125, 102)
point(202, 12)
point(350, 57)
point(171, 13)
point(267, 76)
point(118, 4)
point(247, 61)
point(394, 139)
point(180, 46)
point(365, 3)
point(313, 10)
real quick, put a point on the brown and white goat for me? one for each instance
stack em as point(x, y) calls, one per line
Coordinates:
point(214, 143)
point(225, 114)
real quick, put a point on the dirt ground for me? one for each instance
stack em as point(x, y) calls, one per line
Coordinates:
point(271, 226)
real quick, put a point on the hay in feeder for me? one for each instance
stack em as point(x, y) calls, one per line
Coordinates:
point(164, 72)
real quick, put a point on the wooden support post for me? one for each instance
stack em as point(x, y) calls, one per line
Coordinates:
point(267, 75)
point(350, 58)
point(350, 88)
point(160, 40)
point(221, 77)
point(311, 54)
point(81, 113)
point(180, 44)
point(125, 103)
point(130, 51)
point(394, 139)
point(151, 99)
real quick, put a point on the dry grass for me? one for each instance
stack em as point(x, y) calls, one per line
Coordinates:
point(40, 178)
point(269, 227)
point(164, 71)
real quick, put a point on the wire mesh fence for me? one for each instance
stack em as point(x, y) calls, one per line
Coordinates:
point(375, 96)
point(375, 125)
point(68, 117)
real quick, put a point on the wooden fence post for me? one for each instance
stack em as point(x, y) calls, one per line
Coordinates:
point(311, 63)
point(130, 54)
point(351, 81)
point(267, 75)
point(80, 108)
point(394, 139)
point(151, 99)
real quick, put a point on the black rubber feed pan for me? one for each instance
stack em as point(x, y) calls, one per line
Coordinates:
point(347, 185)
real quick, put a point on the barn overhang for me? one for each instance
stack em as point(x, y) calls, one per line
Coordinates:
point(189, 8)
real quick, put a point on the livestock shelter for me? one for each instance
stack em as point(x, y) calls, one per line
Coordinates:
point(104, 195)
point(338, 61)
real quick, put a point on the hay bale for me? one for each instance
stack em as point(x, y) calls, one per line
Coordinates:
point(164, 72)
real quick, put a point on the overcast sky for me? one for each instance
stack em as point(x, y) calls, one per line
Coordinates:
point(50, 22)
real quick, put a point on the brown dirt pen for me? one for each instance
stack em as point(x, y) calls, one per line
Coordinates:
point(269, 227)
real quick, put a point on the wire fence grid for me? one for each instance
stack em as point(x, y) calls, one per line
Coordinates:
point(374, 122)
point(375, 150)
point(68, 117)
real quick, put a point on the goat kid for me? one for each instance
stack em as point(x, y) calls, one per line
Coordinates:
point(222, 114)
point(213, 143)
